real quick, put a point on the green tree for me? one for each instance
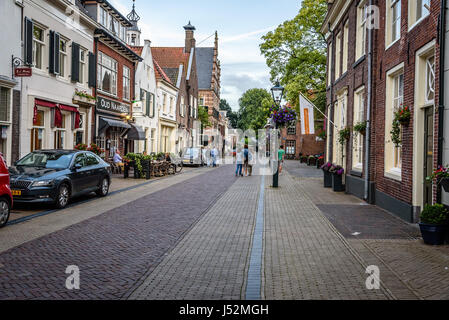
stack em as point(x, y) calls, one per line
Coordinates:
point(203, 116)
point(232, 116)
point(254, 109)
point(296, 54)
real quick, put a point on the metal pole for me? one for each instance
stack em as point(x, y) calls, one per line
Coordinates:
point(368, 113)
point(276, 174)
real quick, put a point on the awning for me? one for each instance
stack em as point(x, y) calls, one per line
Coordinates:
point(136, 133)
point(106, 123)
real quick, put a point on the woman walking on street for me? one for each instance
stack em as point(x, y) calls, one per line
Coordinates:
point(239, 156)
point(245, 160)
point(281, 155)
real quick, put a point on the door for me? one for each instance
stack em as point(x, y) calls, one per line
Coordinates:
point(94, 172)
point(79, 177)
point(428, 154)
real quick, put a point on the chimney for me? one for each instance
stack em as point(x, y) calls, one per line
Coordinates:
point(147, 42)
point(190, 40)
point(216, 45)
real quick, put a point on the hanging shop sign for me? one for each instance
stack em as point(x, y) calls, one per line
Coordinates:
point(112, 106)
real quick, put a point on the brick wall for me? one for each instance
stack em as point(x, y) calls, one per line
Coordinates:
point(305, 144)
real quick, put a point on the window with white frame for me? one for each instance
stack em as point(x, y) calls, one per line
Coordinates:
point(37, 132)
point(182, 107)
point(59, 134)
point(126, 83)
point(358, 117)
point(338, 56)
point(62, 57)
point(345, 47)
point(339, 124)
point(83, 57)
point(361, 30)
point(5, 101)
point(430, 80)
point(78, 135)
point(417, 9)
point(398, 101)
point(38, 47)
point(107, 74)
point(393, 29)
point(104, 17)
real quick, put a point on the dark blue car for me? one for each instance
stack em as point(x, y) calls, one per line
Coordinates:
point(56, 176)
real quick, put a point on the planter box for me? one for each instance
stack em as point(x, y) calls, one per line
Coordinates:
point(311, 161)
point(433, 234)
point(337, 183)
point(327, 179)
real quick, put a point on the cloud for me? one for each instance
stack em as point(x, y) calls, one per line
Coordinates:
point(247, 35)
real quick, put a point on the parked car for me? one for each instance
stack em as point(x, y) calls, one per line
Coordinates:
point(6, 199)
point(193, 157)
point(56, 176)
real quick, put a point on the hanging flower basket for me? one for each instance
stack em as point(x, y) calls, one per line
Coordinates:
point(344, 135)
point(283, 116)
point(403, 115)
point(360, 128)
point(440, 176)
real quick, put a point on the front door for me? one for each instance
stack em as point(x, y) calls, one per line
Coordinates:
point(428, 154)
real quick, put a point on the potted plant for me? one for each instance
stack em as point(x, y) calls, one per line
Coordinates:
point(403, 115)
point(95, 149)
point(304, 159)
point(434, 224)
point(440, 176)
point(319, 162)
point(360, 128)
point(327, 175)
point(337, 177)
point(344, 135)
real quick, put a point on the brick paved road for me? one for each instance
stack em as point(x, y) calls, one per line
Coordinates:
point(112, 250)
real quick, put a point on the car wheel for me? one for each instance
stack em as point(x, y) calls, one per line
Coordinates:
point(5, 210)
point(104, 188)
point(63, 196)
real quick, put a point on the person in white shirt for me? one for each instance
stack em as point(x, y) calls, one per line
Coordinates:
point(239, 158)
point(118, 159)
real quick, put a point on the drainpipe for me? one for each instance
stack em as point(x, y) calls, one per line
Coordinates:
point(441, 91)
point(330, 135)
point(94, 131)
point(368, 110)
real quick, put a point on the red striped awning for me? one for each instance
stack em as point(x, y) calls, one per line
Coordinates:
point(43, 103)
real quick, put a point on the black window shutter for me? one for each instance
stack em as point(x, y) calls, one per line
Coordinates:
point(154, 104)
point(56, 53)
point(51, 53)
point(148, 104)
point(75, 62)
point(29, 28)
point(92, 70)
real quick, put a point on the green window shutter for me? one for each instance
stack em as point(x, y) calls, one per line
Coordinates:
point(154, 104)
point(29, 28)
point(148, 104)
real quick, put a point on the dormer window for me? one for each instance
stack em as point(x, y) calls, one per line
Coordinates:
point(133, 40)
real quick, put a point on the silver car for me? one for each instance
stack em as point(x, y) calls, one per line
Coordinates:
point(193, 157)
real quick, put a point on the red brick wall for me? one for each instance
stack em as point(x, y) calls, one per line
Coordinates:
point(402, 51)
point(305, 144)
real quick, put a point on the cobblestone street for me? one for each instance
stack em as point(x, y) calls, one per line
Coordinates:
point(197, 236)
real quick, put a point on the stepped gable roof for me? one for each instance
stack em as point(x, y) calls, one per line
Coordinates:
point(204, 65)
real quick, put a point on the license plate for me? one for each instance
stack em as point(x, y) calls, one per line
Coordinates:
point(16, 192)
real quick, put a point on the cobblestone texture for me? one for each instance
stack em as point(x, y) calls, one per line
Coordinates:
point(211, 262)
point(113, 250)
point(305, 256)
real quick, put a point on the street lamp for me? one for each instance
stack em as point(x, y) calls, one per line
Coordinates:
point(278, 92)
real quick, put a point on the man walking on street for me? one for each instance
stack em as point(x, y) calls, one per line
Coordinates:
point(239, 156)
point(281, 155)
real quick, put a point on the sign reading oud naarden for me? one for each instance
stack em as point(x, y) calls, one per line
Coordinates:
point(112, 106)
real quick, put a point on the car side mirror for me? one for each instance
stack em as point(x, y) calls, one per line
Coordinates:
point(77, 166)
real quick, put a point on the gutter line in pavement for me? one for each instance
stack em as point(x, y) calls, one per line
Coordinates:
point(254, 279)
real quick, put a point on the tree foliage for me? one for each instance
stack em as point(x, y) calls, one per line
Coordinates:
point(254, 109)
point(232, 116)
point(296, 54)
point(203, 116)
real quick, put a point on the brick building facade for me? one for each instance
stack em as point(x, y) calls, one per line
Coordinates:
point(296, 144)
point(405, 64)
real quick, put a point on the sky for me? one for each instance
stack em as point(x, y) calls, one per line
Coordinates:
point(240, 26)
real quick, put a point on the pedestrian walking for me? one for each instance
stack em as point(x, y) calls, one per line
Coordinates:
point(250, 163)
point(245, 160)
point(281, 156)
point(239, 160)
point(214, 154)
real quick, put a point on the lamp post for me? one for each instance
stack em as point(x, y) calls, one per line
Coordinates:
point(278, 92)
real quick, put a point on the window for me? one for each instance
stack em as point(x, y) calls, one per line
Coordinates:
point(182, 107)
point(201, 101)
point(153, 140)
point(195, 108)
point(417, 10)
point(290, 147)
point(78, 135)
point(126, 83)
point(430, 80)
point(393, 21)
point(191, 107)
point(5, 101)
point(394, 100)
point(340, 123)
point(104, 17)
point(83, 54)
point(329, 64)
point(164, 103)
point(358, 117)
point(62, 57)
point(38, 45)
point(291, 130)
point(59, 134)
point(107, 74)
point(115, 26)
point(338, 56)
point(345, 47)
point(37, 132)
point(171, 105)
point(361, 30)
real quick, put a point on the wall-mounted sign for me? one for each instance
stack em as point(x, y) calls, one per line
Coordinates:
point(137, 107)
point(23, 72)
point(112, 106)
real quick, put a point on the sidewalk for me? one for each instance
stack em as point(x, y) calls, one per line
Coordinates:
point(409, 268)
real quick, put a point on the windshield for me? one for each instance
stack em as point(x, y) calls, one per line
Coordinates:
point(46, 160)
point(191, 152)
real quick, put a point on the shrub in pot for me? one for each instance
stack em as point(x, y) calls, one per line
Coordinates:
point(434, 224)
point(311, 161)
point(337, 177)
point(327, 175)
